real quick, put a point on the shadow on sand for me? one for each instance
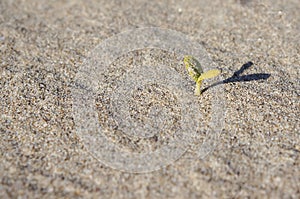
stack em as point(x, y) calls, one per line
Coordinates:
point(237, 78)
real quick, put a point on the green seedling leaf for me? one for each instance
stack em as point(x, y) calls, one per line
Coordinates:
point(193, 67)
point(209, 74)
point(195, 70)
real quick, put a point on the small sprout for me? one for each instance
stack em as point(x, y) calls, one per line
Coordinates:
point(195, 70)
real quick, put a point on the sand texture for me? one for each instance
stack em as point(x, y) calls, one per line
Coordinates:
point(43, 45)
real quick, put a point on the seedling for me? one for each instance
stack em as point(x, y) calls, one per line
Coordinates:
point(196, 72)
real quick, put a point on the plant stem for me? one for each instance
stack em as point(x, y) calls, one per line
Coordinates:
point(198, 87)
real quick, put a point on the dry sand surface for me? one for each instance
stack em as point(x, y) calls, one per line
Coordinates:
point(43, 45)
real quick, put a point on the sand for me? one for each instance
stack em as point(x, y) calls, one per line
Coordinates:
point(43, 45)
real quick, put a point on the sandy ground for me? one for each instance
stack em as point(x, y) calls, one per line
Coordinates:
point(42, 46)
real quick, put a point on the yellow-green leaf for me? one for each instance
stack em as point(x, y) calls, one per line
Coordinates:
point(195, 71)
point(209, 74)
point(193, 67)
